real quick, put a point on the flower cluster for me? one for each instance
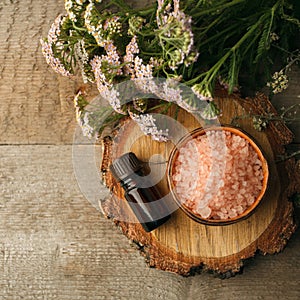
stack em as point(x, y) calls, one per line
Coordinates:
point(202, 91)
point(106, 67)
point(274, 37)
point(135, 24)
point(175, 34)
point(82, 117)
point(260, 123)
point(189, 43)
point(51, 42)
point(279, 82)
point(113, 97)
point(131, 50)
point(73, 7)
point(148, 126)
point(102, 26)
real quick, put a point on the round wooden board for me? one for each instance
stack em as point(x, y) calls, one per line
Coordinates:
point(183, 245)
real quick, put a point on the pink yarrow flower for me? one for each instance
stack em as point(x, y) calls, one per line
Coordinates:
point(131, 50)
point(53, 61)
point(111, 62)
point(47, 47)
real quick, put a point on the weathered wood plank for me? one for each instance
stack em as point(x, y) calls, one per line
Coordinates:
point(290, 97)
point(55, 245)
point(36, 104)
point(269, 277)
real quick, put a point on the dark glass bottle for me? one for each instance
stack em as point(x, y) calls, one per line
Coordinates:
point(144, 198)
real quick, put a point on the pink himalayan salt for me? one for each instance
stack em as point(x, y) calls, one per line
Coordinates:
point(217, 175)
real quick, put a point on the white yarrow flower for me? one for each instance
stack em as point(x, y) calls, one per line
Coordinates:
point(147, 124)
point(112, 96)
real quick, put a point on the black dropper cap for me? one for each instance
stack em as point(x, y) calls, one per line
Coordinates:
point(125, 165)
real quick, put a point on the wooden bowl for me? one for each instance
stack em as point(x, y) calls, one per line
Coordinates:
point(197, 217)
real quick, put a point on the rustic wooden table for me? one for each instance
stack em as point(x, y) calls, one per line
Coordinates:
point(53, 243)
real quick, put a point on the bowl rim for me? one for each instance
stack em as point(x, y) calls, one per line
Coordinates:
point(201, 131)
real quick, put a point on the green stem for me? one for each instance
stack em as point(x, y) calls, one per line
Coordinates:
point(207, 28)
point(221, 34)
point(145, 12)
point(282, 49)
point(210, 75)
point(147, 34)
point(239, 43)
point(292, 62)
point(168, 105)
point(157, 106)
point(215, 8)
point(288, 109)
point(251, 43)
point(79, 28)
point(196, 79)
point(122, 5)
point(200, 3)
point(150, 53)
point(289, 156)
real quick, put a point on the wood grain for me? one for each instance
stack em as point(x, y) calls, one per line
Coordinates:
point(182, 244)
point(38, 106)
point(53, 243)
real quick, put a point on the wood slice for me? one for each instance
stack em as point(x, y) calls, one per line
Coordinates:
point(185, 246)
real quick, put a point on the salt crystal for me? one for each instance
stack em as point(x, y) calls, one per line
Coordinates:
point(223, 210)
point(220, 173)
point(204, 212)
point(258, 162)
point(239, 209)
point(232, 213)
point(177, 177)
point(256, 173)
point(250, 201)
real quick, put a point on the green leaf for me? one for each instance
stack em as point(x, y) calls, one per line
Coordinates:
point(233, 73)
point(264, 42)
